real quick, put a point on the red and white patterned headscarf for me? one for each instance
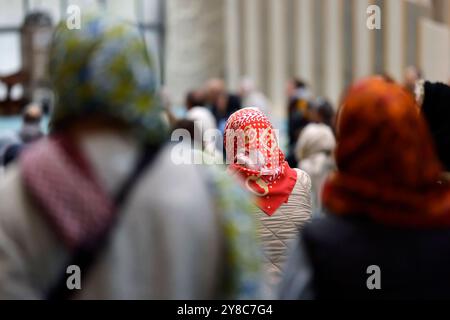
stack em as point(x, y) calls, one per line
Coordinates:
point(253, 153)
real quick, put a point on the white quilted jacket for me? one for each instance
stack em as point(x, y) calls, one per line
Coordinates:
point(278, 232)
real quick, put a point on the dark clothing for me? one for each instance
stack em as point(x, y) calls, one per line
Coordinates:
point(30, 133)
point(12, 154)
point(436, 108)
point(414, 264)
point(297, 120)
point(233, 105)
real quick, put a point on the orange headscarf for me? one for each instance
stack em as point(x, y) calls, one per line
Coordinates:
point(387, 167)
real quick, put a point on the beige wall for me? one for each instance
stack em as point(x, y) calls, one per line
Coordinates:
point(273, 40)
point(394, 25)
point(195, 44)
point(435, 50)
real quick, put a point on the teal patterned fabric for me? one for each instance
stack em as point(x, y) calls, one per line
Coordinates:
point(244, 275)
point(104, 68)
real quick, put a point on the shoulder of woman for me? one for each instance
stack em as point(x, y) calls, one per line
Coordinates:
point(303, 179)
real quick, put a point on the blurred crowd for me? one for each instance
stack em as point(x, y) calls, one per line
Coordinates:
point(361, 184)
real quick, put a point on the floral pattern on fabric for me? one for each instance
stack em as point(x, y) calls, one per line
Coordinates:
point(244, 255)
point(104, 68)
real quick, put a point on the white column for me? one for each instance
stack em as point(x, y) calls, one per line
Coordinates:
point(446, 10)
point(232, 43)
point(278, 54)
point(434, 50)
point(304, 40)
point(363, 39)
point(333, 50)
point(252, 41)
point(394, 38)
point(195, 50)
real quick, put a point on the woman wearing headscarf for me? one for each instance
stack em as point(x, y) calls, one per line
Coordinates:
point(387, 230)
point(315, 155)
point(205, 123)
point(282, 195)
point(102, 193)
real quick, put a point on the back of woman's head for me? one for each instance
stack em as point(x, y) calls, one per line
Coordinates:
point(387, 167)
point(315, 138)
point(103, 69)
point(382, 136)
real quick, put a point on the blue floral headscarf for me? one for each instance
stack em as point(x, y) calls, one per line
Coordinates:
point(104, 68)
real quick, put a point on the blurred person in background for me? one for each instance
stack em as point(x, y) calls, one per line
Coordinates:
point(102, 192)
point(297, 89)
point(221, 103)
point(195, 98)
point(411, 76)
point(315, 156)
point(206, 124)
point(299, 100)
point(253, 98)
point(434, 100)
point(11, 154)
point(7, 140)
point(323, 112)
point(282, 195)
point(31, 126)
point(29, 132)
point(384, 207)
